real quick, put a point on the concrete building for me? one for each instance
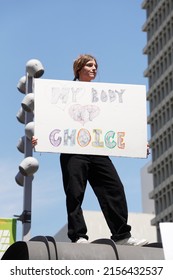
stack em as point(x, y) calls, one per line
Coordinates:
point(98, 229)
point(146, 188)
point(159, 51)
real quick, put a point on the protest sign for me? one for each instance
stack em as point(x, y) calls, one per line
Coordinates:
point(90, 118)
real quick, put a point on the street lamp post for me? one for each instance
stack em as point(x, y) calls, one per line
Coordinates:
point(29, 165)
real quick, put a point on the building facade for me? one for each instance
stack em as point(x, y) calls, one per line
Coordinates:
point(146, 188)
point(159, 72)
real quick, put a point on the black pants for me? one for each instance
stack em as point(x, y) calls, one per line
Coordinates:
point(106, 184)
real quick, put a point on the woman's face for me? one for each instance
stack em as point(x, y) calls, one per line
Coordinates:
point(88, 72)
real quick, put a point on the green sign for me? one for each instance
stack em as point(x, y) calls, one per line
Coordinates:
point(7, 234)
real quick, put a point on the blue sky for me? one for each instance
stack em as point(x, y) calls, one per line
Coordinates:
point(56, 32)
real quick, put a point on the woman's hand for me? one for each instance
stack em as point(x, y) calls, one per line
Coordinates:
point(34, 141)
point(148, 150)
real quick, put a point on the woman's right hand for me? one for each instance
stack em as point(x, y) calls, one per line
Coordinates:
point(34, 141)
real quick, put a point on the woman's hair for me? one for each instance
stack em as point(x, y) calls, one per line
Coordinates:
point(80, 62)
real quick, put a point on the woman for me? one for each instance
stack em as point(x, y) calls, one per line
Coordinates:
point(101, 174)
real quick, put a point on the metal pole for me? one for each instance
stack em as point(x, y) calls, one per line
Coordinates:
point(27, 198)
point(34, 69)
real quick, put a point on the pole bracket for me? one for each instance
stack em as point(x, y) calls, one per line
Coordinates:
point(25, 217)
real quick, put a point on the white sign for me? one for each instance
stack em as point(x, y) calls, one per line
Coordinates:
point(166, 230)
point(90, 118)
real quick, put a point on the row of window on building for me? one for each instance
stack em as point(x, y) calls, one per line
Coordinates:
point(162, 171)
point(163, 8)
point(161, 117)
point(160, 40)
point(161, 91)
point(159, 66)
point(164, 198)
point(162, 14)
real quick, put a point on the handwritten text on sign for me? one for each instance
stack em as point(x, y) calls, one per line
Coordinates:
point(90, 118)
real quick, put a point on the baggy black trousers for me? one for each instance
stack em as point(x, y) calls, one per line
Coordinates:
point(100, 172)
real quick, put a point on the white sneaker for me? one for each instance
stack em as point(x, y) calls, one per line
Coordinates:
point(132, 242)
point(82, 240)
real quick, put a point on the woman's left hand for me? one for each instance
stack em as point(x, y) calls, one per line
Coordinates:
point(148, 150)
